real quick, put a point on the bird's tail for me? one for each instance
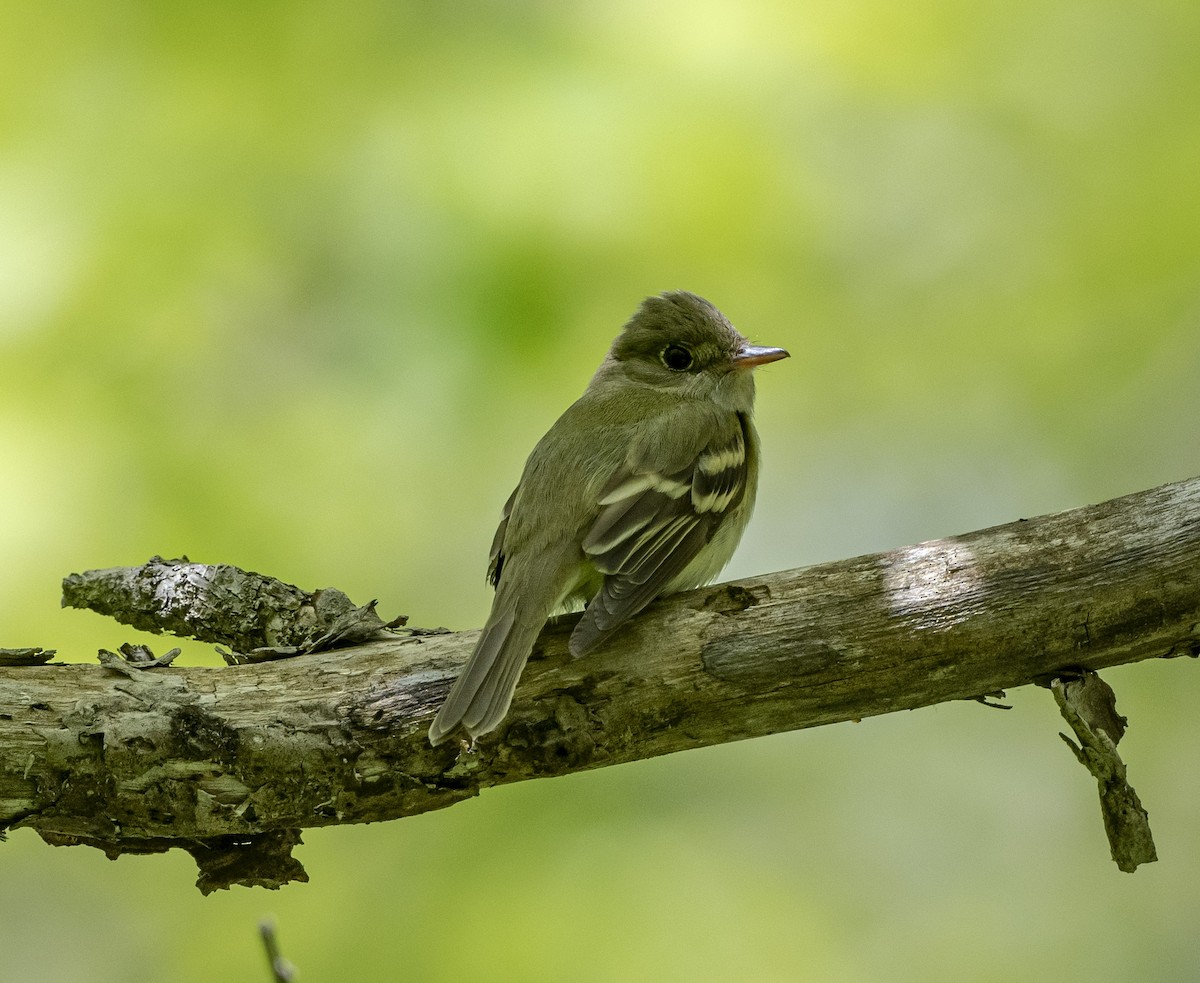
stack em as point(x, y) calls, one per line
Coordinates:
point(481, 695)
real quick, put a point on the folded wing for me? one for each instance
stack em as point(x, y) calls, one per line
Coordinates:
point(651, 527)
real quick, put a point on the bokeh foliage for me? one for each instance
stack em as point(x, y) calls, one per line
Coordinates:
point(297, 286)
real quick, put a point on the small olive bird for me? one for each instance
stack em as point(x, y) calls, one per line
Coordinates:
point(642, 488)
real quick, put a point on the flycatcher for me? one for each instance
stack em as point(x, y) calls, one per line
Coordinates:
point(642, 488)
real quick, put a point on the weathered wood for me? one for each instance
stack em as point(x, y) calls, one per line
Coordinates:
point(1089, 706)
point(213, 759)
point(258, 617)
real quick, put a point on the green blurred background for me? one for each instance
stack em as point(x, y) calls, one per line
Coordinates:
point(297, 287)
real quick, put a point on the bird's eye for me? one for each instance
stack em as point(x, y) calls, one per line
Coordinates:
point(677, 358)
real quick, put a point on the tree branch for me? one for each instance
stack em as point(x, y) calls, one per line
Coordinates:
point(230, 763)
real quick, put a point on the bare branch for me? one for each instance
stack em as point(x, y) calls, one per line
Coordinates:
point(231, 762)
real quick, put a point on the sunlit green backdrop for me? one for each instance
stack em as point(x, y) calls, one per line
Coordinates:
point(297, 286)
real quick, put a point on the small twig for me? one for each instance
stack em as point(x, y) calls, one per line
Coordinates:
point(130, 657)
point(34, 656)
point(281, 970)
point(257, 616)
point(1090, 707)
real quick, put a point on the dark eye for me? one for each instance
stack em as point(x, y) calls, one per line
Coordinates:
point(677, 358)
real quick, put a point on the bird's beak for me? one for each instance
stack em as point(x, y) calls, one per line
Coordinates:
point(752, 355)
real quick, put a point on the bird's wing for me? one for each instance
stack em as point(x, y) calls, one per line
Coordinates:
point(496, 556)
point(653, 524)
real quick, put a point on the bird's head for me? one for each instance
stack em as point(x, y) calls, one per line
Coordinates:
point(680, 342)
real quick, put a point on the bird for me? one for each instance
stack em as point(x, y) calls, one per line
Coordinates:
point(642, 488)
